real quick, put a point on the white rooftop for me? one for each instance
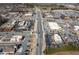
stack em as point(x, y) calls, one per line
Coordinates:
point(63, 10)
point(57, 38)
point(53, 25)
point(28, 14)
point(76, 27)
point(49, 16)
point(16, 38)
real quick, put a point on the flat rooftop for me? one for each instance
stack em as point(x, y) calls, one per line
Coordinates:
point(57, 38)
point(53, 25)
point(76, 27)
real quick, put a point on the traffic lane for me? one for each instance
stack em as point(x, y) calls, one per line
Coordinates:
point(38, 46)
point(39, 30)
point(40, 40)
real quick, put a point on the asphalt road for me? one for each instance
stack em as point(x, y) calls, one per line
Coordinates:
point(24, 43)
point(39, 33)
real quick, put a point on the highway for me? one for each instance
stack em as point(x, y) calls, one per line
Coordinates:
point(39, 33)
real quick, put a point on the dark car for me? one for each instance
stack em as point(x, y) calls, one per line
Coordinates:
point(37, 44)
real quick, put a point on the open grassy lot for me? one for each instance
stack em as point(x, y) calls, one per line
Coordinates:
point(69, 47)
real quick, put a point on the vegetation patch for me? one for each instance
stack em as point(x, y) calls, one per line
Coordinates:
point(69, 47)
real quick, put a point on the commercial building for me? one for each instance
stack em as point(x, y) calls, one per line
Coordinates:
point(57, 38)
point(53, 25)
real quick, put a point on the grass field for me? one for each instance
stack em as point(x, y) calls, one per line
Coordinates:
point(69, 47)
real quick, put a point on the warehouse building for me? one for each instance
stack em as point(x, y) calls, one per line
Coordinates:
point(53, 25)
point(57, 38)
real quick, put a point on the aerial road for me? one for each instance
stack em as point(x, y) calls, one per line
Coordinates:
point(39, 32)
